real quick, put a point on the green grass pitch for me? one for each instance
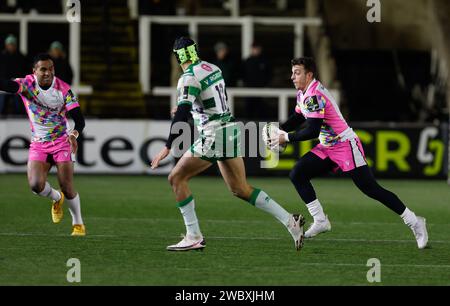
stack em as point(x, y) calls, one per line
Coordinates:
point(131, 219)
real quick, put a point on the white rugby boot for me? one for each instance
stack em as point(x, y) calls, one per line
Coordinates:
point(188, 243)
point(420, 232)
point(318, 227)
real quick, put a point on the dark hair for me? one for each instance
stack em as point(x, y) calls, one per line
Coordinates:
point(182, 42)
point(307, 62)
point(41, 57)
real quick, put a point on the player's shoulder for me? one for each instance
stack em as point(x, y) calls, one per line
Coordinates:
point(28, 79)
point(206, 66)
point(203, 69)
point(188, 78)
point(61, 85)
point(319, 89)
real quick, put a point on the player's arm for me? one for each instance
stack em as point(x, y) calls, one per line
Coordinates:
point(181, 115)
point(78, 118)
point(188, 91)
point(9, 86)
point(73, 108)
point(315, 116)
point(294, 121)
point(311, 131)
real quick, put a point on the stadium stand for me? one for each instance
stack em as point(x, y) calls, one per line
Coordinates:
point(110, 45)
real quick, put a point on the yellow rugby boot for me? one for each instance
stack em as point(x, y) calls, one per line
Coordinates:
point(57, 210)
point(78, 230)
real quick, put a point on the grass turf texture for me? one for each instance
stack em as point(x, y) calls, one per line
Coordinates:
point(131, 219)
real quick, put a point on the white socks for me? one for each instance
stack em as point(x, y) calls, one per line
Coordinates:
point(266, 203)
point(316, 211)
point(49, 192)
point(187, 209)
point(409, 217)
point(75, 209)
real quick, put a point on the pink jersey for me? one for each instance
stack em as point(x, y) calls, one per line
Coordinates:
point(47, 109)
point(317, 102)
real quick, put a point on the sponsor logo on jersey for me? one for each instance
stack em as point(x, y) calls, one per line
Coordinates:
point(312, 104)
point(212, 78)
point(206, 67)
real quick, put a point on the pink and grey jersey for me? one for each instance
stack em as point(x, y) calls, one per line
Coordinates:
point(47, 109)
point(317, 102)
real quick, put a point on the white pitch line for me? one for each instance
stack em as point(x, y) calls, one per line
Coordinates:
point(251, 221)
point(274, 238)
point(330, 240)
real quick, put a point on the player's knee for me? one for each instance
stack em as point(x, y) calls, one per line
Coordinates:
point(174, 179)
point(292, 175)
point(171, 179)
point(295, 175)
point(299, 175)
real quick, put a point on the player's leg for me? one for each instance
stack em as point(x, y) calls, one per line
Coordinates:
point(37, 172)
point(308, 167)
point(233, 173)
point(365, 181)
point(187, 167)
point(65, 178)
point(37, 178)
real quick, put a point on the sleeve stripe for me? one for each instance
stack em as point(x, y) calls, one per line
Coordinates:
point(194, 91)
point(72, 106)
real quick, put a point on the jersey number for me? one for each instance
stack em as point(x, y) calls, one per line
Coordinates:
point(222, 96)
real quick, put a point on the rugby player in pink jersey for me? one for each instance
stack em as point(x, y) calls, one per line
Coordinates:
point(47, 101)
point(339, 148)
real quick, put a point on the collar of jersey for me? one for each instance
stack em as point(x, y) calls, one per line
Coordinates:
point(192, 65)
point(39, 86)
point(309, 87)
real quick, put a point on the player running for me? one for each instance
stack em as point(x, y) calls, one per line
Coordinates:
point(47, 101)
point(339, 148)
point(201, 91)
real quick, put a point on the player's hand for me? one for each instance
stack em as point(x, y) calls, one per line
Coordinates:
point(161, 155)
point(173, 111)
point(73, 143)
point(282, 137)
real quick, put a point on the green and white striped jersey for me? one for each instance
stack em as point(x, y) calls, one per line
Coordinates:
point(203, 87)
